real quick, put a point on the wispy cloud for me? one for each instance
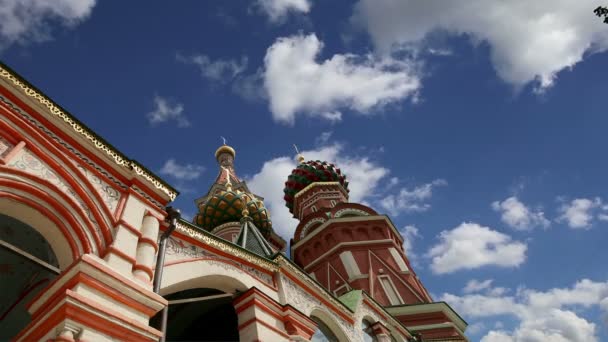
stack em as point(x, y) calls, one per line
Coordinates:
point(165, 110)
point(182, 172)
point(218, 70)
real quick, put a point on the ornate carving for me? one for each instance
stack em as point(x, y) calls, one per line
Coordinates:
point(178, 249)
point(28, 162)
point(226, 246)
point(309, 224)
point(62, 143)
point(109, 195)
point(78, 128)
point(5, 146)
point(352, 211)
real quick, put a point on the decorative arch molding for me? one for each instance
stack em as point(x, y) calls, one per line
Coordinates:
point(209, 273)
point(67, 249)
point(330, 321)
point(310, 225)
point(77, 177)
point(49, 199)
point(350, 212)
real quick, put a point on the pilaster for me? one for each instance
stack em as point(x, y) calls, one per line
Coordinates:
point(92, 301)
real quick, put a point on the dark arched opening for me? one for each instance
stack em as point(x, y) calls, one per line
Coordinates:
point(27, 265)
point(201, 315)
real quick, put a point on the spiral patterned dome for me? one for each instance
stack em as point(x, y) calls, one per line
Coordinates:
point(227, 206)
point(310, 172)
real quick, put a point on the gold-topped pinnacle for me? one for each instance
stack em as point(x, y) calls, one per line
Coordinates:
point(224, 149)
point(245, 212)
point(299, 157)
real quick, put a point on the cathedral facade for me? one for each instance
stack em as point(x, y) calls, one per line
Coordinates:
point(91, 250)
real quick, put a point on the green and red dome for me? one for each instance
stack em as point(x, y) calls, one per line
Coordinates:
point(227, 206)
point(310, 172)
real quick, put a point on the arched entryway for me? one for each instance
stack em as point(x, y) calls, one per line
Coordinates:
point(201, 314)
point(27, 265)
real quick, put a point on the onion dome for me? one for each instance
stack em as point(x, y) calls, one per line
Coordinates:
point(224, 204)
point(310, 172)
point(227, 206)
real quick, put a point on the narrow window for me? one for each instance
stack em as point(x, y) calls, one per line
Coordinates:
point(389, 289)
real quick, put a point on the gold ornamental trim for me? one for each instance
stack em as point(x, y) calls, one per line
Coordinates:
point(227, 247)
point(83, 131)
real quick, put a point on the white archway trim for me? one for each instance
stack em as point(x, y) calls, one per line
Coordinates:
point(329, 320)
point(59, 244)
point(210, 273)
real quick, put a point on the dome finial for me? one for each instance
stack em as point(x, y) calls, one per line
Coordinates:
point(299, 157)
point(225, 149)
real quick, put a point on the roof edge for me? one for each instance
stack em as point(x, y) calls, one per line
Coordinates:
point(100, 143)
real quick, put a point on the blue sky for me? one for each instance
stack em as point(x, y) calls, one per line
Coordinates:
point(478, 126)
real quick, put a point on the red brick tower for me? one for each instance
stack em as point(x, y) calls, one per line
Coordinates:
point(349, 246)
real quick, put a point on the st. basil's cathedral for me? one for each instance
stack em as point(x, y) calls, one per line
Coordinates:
point(91, 249)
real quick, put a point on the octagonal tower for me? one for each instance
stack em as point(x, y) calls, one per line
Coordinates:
point(349, 246)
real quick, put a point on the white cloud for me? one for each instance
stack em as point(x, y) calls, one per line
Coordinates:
point(409, 234)
point(542, 315)
point(413, 200)
point(181, 172)
point(277, 10)
point(471, 246)
point(475, 285)
point(579, 213)
point(528, 40)
point(363, 175)
point(516, 215)
point(296, 83)
point(167, 111)
point(30, 20)
point(219, 70)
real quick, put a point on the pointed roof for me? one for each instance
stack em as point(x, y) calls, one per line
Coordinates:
point(251, 239)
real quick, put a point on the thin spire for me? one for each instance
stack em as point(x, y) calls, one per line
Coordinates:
point(223, 139)
point(299, 157)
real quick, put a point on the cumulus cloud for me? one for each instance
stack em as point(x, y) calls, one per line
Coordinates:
point(277, 10)
point(30, 20)
point(518, 216)
point(219, 70)
point(297, 83)
point(363, 174)
point(529, 41)
point(411, 200)
point(183, 172)
point(471, 246)
point(580, 212)
point(165, 110)
point(542, 315)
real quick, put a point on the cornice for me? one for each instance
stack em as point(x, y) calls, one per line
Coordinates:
point(225, 246)
point(85, 132)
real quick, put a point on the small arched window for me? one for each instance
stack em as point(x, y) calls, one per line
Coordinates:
point(368, 332)
point(323, 332)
